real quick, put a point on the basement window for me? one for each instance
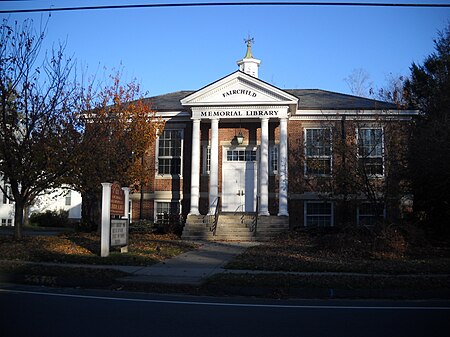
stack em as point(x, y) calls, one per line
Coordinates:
point(318, 214)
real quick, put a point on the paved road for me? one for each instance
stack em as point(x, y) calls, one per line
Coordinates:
point(32, 311)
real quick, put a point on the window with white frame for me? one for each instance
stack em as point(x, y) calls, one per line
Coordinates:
point(68, 198)
point(370, 151)
point(369, 214)
point(7, 222)
point(318, 213)
point(241, 155)
point(273, 159)
point(318, 151)
point(167, 212)
point(170, 145)
point(206, 159)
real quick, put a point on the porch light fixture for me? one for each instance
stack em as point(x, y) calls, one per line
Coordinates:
point(239, 138)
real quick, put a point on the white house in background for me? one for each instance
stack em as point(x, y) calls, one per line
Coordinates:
point(55, 200)
point(6, 207)
point(59, 199)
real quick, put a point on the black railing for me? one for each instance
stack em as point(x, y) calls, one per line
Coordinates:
point(254, 224)
point(215, 217)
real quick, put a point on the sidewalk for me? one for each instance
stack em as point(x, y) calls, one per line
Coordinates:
point(190, 268)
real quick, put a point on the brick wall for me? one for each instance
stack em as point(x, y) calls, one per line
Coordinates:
point(300, 187)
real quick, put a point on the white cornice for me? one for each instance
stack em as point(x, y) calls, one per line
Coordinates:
point(323, 115)
point(165, 114)
point(361, 112)
point(266, 94)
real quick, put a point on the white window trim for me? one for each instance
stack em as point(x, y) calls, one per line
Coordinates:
point(305, 213)
point(271, 147)
point(68, 198)
point(155, 202)
point(206, 150)
point(305, 168)
point(6, 222)
point(158, 175)
point(382, 149)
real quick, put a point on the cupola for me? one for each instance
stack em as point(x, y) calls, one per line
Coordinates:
point(249, 64)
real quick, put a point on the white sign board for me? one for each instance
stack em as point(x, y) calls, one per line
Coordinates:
point(119, 232)
point(239, 112)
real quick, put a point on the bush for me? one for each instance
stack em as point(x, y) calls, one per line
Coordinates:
point(171, 225)
point(50, 219)
point(390, 242)
point(142, 226)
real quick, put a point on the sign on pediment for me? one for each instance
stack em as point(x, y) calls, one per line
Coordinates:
point(238, 89)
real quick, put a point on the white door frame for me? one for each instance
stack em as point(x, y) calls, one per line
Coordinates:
point(240, 181)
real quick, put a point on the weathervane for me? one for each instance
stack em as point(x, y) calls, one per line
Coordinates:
point(249, 40)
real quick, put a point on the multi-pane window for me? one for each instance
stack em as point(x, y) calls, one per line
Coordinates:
point(317, 151)
point(206, 159)
point(241, 155)
point(318, 214)
point(68, 198)
point(6, 222)
point(370, 151)
point(370, 213)
point(167, 212)
point(170, 145)
point(273, 159)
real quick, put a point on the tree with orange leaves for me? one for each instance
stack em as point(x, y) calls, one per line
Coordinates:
point(118, 129)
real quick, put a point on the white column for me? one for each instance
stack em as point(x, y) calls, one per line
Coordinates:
point(126, 193)
point(214, 170)
point(106, 219)
point(283, 170)
point(195, 167)
point(264, 168)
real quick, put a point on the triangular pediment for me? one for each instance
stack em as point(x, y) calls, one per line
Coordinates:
point(239, 88)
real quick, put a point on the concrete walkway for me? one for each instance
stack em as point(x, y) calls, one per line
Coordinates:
point(191, 267)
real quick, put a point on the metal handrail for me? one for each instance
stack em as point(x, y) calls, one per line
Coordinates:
point(236, 211)
point(217, 212)
point(255, 219)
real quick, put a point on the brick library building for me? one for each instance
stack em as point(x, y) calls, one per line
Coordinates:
point(242, 159)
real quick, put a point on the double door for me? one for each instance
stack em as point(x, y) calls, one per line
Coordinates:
point(239, 180)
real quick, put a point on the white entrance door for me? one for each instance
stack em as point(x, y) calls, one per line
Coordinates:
point(239, 180)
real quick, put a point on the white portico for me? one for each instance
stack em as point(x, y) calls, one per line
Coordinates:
point(243, 171)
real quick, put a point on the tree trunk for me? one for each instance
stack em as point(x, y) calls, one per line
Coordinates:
point(26, 216)
point(91, 209)
point(18, 219)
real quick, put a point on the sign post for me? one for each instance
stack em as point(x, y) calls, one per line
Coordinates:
point(115, 220)
point(106, 218)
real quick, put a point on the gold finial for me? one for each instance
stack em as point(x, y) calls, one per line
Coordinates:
point(249, 42)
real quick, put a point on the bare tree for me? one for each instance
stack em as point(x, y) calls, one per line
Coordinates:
point(356, 162)
point(359, 82)
point(37, 128)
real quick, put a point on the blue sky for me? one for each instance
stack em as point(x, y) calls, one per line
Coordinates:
point(171, 49)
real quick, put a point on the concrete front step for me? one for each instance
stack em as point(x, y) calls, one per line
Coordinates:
point(234, 227)
point(233, 238)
